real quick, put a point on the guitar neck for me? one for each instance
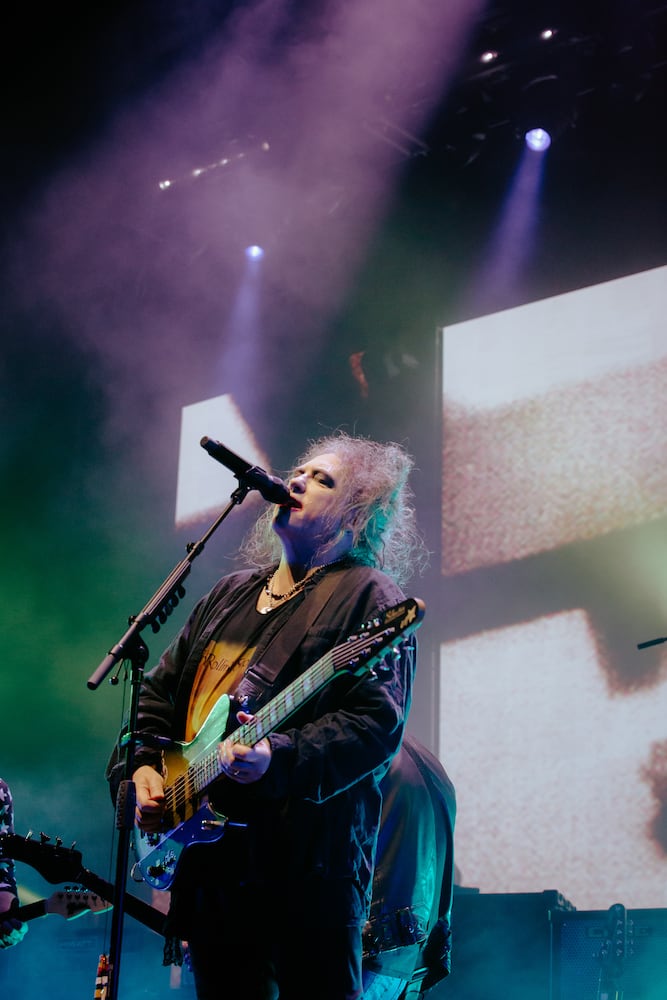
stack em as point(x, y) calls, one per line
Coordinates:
point(58, 864)
point(286, 702)
point(206, 769)
point(146, 914)
point(30, 910)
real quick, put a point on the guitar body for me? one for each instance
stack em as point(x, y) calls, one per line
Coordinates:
point(192, 819)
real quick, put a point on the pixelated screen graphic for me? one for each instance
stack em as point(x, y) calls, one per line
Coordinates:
point(553, 724)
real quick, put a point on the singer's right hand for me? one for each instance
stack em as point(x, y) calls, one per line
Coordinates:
point(149, 788)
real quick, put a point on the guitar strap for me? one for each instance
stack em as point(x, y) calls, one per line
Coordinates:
point(260, 678)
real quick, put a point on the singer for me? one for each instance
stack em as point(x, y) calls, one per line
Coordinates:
point(276, 907)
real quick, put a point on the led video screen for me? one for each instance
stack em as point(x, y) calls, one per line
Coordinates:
point(553, 723)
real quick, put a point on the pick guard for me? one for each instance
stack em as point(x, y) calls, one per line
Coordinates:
point(189, 818)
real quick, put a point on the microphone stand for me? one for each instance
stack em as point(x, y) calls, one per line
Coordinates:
point(133, 649)
point(652, 642)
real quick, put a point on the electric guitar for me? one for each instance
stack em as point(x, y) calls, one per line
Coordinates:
point(69, 903)
point(189, 818)
point(56, 863)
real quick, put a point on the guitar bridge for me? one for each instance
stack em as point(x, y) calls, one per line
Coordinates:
point(220, 824)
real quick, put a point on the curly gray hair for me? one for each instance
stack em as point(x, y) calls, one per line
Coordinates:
point(376, 506)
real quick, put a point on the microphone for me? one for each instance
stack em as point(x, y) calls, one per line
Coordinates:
point(270, 487)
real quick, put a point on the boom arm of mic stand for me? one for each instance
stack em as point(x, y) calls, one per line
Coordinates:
point(164, 600)
point(131, 647)
point(652, 642)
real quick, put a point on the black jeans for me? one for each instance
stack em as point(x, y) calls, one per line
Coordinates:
point(288, 941)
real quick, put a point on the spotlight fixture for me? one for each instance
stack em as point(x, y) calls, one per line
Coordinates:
point(254, 252)
point(545, 109)
point(538, 139)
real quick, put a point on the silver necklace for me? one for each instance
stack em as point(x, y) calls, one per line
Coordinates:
point(276, 599)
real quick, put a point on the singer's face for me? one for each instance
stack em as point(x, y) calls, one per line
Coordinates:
point(316, 488)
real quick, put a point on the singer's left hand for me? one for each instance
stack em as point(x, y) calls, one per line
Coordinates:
point(242, 763)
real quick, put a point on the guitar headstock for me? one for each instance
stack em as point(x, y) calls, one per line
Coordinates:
point(377, 637)
point(71, 903)
point(403, 618)
point(54, 862)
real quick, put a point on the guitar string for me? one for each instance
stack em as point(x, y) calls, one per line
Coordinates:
point(206, 769)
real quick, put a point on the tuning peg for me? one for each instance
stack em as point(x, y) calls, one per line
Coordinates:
point(28, 835)
point(44, 838)
point(59, 842)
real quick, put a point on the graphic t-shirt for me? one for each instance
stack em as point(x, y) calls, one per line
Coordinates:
point(225, 660)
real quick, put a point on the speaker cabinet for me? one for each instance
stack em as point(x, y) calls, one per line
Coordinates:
point(602, 954)
point(501, 946)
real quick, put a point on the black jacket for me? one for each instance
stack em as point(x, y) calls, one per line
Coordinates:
point(316, 810)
